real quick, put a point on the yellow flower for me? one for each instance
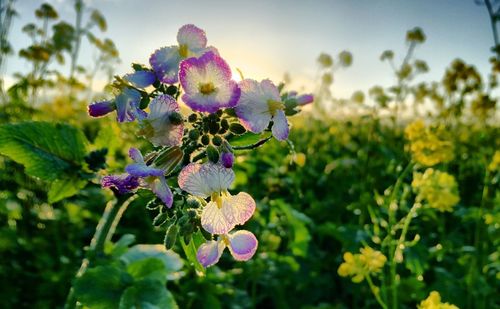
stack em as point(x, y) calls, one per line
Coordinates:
point(427, 145)
point(495, 162)
point(361, 265)
point(438, 188)
point(434, 302)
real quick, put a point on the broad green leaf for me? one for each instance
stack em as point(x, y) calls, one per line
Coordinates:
point(171, 260)
point(121, 246)
point(191, 249)
point(46, 150)
point(147, 294)
point(297, 221)
point(149, 268)
point(102, 287)
point(248, 138)
point(63, 188)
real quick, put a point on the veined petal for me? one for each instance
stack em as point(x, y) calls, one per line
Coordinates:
point(242, 245)
point(127, 105)
point(210, 252)
point(140, 79)
point(165, 133)
point(160, 188)
point(280, 127)
point(165, 64)
point(214, 221)
point(239, 208)
point(142, 170)
point(136, 155)
point(192, 36)
point(252, 108)
point(217, 176)
point(123, 183)
point(191, 180)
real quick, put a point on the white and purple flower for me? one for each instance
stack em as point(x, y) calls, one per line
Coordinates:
point(124, 183)
point(151, 177)
point(300, 100)
point(259, 104)
point(224, 211)
point(165, 61)
point(127, 105)
point(157, 126)
point(242, 245)
point(207, 83)
point(140, 79)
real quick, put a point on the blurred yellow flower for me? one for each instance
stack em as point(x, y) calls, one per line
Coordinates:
point(495, 162)
point(438, 188)
point(427, 145)
point(434, 302)
point(361, 265)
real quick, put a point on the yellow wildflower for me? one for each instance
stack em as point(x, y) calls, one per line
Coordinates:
point(427, 145)
point(495, 162)
point(434, 302)
point(438, 188)
point(361, 265)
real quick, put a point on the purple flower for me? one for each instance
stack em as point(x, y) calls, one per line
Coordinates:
point(259, 104)
point(301, 100)
point(207, 83)
point(123, 183)
point(165, 61)
point(127, 105)
point(224, 211)
point(157, 127)
point(101, 108)
point(242, 245)
point(227, 159)
point(151, 177)
point(140, 79)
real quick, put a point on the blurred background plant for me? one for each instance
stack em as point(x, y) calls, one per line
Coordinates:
point(364, 176)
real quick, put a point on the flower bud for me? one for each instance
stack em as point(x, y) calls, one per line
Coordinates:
point(160, 219)
point(237, 128)
point(194, 135)
point(171, 90)
point(205, 140)
point(101, 108)
point(193, 203)
point(171, 236)
point(212, 154)
point(213, 127)
point(175, 118)
point(217, 140)
point(227, 159)
point(192, 117)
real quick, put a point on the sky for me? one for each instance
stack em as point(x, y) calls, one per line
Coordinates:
point(266, 38)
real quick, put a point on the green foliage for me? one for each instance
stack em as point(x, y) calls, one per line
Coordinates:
point(48, 151)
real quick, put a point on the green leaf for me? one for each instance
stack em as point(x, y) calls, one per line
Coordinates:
point(149, 294)
point(48, 151)
point(150, 268)
point(98, 19)
point(63, 188)
point(121, 246)
point(191, 249)
point(171, 260)
point(102, 287)
point(248, 138)
point(297, 221)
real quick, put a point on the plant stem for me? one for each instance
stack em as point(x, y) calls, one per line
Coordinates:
point(104, 230)
point(375, 293)
point(253, 146)
point(407, 222)
point(493, 22)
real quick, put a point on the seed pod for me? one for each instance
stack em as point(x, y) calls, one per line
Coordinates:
point(237, 128)
point(171, 236)
point(217, 140)
point(205, 140)
point(212, 154)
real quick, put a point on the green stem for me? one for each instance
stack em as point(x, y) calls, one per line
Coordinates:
point(407, 222)
point(104, 230)
point(375, 293)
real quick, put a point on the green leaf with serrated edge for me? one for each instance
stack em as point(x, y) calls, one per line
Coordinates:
point(149, 268)
point(191, 249)
point(63, 188)
point(248, 138)
point(172, 261)
point(46, 150)
point(121, 246)
point(102, 286)
point(149, 294)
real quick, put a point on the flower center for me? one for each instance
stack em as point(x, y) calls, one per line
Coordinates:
point(183, 50)
point(274, 106)
point(218, 198)
point(207, 88)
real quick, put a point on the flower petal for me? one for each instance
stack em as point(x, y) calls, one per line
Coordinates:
point(140, 79)
point(239, 208)
point(280, 126)
point(191, 180)
point(101, 108)
point(242, 245)
point(136, 155)
point(210, 252)
point(165, 133)
point(217, 176)
point(165, 63)
point(123, 183)
point(160, 188)
point(127, 105)
point(214, 221)
point(142, 170)
point(305, 99)
point(252, 108)
point(192, 36)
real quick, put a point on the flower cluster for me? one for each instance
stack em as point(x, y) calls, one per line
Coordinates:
point(361, 265)
point(427, 145)
point(433, 301)
point(196, 148)
point(438, 188)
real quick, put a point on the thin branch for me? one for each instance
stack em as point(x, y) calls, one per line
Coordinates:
point(253, 146)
